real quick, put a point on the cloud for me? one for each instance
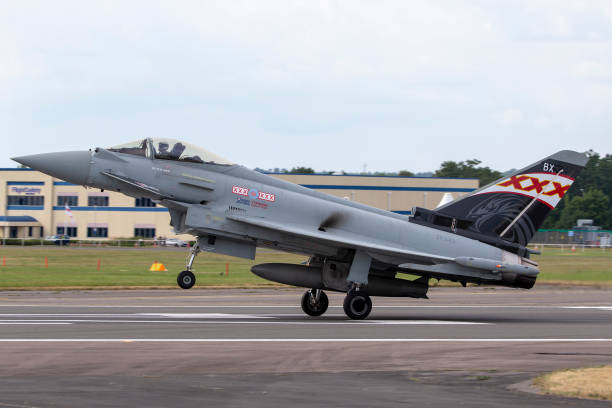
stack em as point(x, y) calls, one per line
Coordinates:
point(509, 117)
point(593, 70)
point(345, 81)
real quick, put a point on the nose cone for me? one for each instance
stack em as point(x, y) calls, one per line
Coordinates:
point(70, 166)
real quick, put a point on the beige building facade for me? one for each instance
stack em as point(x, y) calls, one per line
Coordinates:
point(34, 205)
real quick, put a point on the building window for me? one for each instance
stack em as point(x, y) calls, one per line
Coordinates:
point(70, 231)
point(72, 201)
point(97, 201)
point(144, 202)
point(26, 200)
point(30, 231)
point(97, 232)
point(144, 232)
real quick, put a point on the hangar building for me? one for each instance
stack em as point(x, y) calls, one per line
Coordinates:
point(34, 205)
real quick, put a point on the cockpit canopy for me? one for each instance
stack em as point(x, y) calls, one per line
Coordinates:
point(169, 149)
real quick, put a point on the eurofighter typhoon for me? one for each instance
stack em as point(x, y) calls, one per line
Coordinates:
point(353, 248)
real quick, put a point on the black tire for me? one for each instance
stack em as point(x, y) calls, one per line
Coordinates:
point(357, 304)
point(186, 279)
point(316, 309)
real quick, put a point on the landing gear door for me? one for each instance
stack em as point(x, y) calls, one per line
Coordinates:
point(334, 275)
point(226, 246)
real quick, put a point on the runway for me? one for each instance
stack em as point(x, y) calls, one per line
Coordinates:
point(256, 347)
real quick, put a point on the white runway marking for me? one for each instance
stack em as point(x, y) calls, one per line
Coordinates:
point(204, 315)
point(32, 322)
point(216, 318)
point(392, 322)
point(268, 322)
point(313, 340)
point(68, 314)
point(297, 306)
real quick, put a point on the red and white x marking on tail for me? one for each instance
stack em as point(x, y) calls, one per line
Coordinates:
point(547, 187)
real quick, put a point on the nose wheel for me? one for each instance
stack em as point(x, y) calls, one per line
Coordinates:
point(357, 304)
point(314, 302)
point(186, 279)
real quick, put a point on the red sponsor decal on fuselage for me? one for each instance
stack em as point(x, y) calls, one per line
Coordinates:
point(266, 196)
point(243, 191)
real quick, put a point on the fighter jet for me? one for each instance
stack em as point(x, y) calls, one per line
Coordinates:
point(363, 251)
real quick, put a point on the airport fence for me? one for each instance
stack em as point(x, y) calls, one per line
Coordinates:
point(573, 237)
point(130, 243)
point(543, 238)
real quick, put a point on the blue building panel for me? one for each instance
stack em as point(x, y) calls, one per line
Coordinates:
point(95, 208)
point(17, 218)
point(25, 183)
point(25, 207)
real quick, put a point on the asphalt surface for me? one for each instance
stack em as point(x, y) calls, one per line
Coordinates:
point(464, 347)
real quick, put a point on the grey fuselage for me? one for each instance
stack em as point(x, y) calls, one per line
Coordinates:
point(202, 198)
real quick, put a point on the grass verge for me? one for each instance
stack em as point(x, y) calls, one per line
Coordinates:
point(593, 383)
point(76, 268)
point(591, 266)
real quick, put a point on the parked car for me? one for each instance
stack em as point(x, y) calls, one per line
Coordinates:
point(175, 242)
point(59, 239)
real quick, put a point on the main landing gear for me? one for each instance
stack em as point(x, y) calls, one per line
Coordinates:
point(357, 304)
point(186, 279)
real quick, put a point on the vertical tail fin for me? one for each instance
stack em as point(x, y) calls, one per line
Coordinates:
point(513, 207)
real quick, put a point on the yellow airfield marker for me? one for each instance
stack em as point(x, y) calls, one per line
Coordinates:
point(157, 267)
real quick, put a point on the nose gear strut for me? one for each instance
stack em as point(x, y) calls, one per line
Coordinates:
point(186, 279)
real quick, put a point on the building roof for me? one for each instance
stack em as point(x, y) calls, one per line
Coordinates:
point(17, 218)
point(364, 175)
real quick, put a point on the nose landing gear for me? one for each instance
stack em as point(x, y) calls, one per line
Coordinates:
point(186, 279)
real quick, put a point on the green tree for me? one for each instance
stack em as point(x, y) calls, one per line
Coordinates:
point(597, 175)
point(302, 170)
point(405, 173)
point(594, 205)
point(468, 169)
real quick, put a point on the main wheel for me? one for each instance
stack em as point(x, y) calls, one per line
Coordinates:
point(357, 304)
point(185, 279)
point(311, 306)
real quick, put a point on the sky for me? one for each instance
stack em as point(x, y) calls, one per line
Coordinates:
point(332, 85)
